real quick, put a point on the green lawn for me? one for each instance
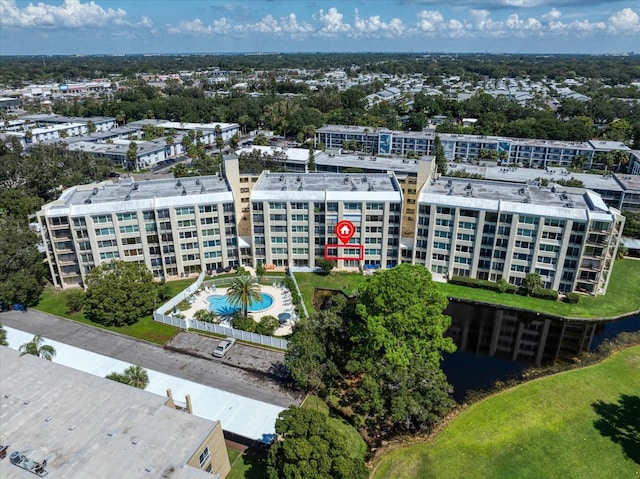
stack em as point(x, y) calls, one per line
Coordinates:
point(53, 302)
point(542, 429)
point(623, 293)
point(348, 283)
point(246, 466)
point(357, 445)
point(623, 296)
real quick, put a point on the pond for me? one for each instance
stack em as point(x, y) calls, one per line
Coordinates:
point(498, 344)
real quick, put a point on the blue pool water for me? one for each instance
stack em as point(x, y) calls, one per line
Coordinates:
point(221, 305)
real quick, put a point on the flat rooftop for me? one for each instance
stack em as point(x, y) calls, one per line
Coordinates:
point(513, 197)
point(109, 192)
point(87, 426)
point(370, 162)
point(127, 195)
point(321, 186)
point(524, 175)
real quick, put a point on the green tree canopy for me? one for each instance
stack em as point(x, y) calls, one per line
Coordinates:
point(310, 447)
point(3, 336)
point(243, 292)
point(22, 271)
point(35, 347)
point(380, 352)
point(119, 293)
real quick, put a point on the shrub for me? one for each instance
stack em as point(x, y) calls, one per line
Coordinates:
point(572, 298)
point(267, 325)
point(542, 293)
point(245, 324)
point(502, 286)
point(75, 301)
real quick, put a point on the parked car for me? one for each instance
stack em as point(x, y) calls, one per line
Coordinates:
point(223, 347)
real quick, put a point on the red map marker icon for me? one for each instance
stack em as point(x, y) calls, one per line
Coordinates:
point(345, 231)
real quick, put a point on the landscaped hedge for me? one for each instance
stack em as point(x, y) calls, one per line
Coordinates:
point(483, 284)
point(542, 293)
point(572, 298)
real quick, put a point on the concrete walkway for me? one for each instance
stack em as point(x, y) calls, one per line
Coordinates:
point(211, 373)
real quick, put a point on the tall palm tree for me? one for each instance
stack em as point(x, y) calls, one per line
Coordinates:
point(36, 348)
point(244, 291)
point(136, 377)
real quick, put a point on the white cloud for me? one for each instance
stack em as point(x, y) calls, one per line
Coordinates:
point(194, 27)
point(624, 21)
point(475, 23)
point(71, 14)
point(332, 23)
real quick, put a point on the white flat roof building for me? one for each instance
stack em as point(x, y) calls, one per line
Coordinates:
point(86, 426)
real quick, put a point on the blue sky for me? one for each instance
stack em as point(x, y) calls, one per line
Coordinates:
point(223, 26)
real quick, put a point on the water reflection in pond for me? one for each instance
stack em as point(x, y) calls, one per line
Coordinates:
point(498, 344)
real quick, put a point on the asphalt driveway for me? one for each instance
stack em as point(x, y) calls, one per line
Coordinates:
point(243, 371)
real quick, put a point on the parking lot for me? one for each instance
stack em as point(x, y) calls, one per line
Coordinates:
point(242, 372)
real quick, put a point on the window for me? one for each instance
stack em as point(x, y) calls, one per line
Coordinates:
point(127, 216)
point(441, 222)
point(105, 231)
point(188, 234)
point(375, 206)
point(207, 208)
point(107, 243)
point(110, 255)
point(352, 206)
point(211, 232)
point(101, 219)
point(277, 205)
point(186, 223)
point(208, 221)
point(300, 229)
point(187, 210)
point(467, 225)
point(443, 210)
point(162, 214)
point(129, 229)
point(554, 222)
point(529, 220)
point(299, 217)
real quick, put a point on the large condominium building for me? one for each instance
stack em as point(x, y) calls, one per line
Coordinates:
point(477, 228)
point(514, 151)
point(492, 230)
point(175, 227)
point(294, 216)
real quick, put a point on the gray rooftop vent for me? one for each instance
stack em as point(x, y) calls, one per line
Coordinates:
point(135, 187)
point(346, 179)
point(468, 187)
point(301, 187)
point(203, 189)
point(354, 187)
point(371, 188)
point(299, 178)
point(178, 183)
point(87, 201)
point(127, 198)
point(95, 191)
point(284, 188)
point(184, 192)
point(364, 179)
point(198, 181)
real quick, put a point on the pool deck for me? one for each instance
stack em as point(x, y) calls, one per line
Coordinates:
point(280, 305)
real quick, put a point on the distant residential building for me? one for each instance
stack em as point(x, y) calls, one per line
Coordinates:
point(511, 151)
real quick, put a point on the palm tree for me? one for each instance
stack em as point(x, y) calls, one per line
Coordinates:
point(244, 291)
point(136, 377)
point(36, 348)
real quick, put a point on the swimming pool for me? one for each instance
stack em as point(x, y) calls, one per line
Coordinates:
point(221, 305)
